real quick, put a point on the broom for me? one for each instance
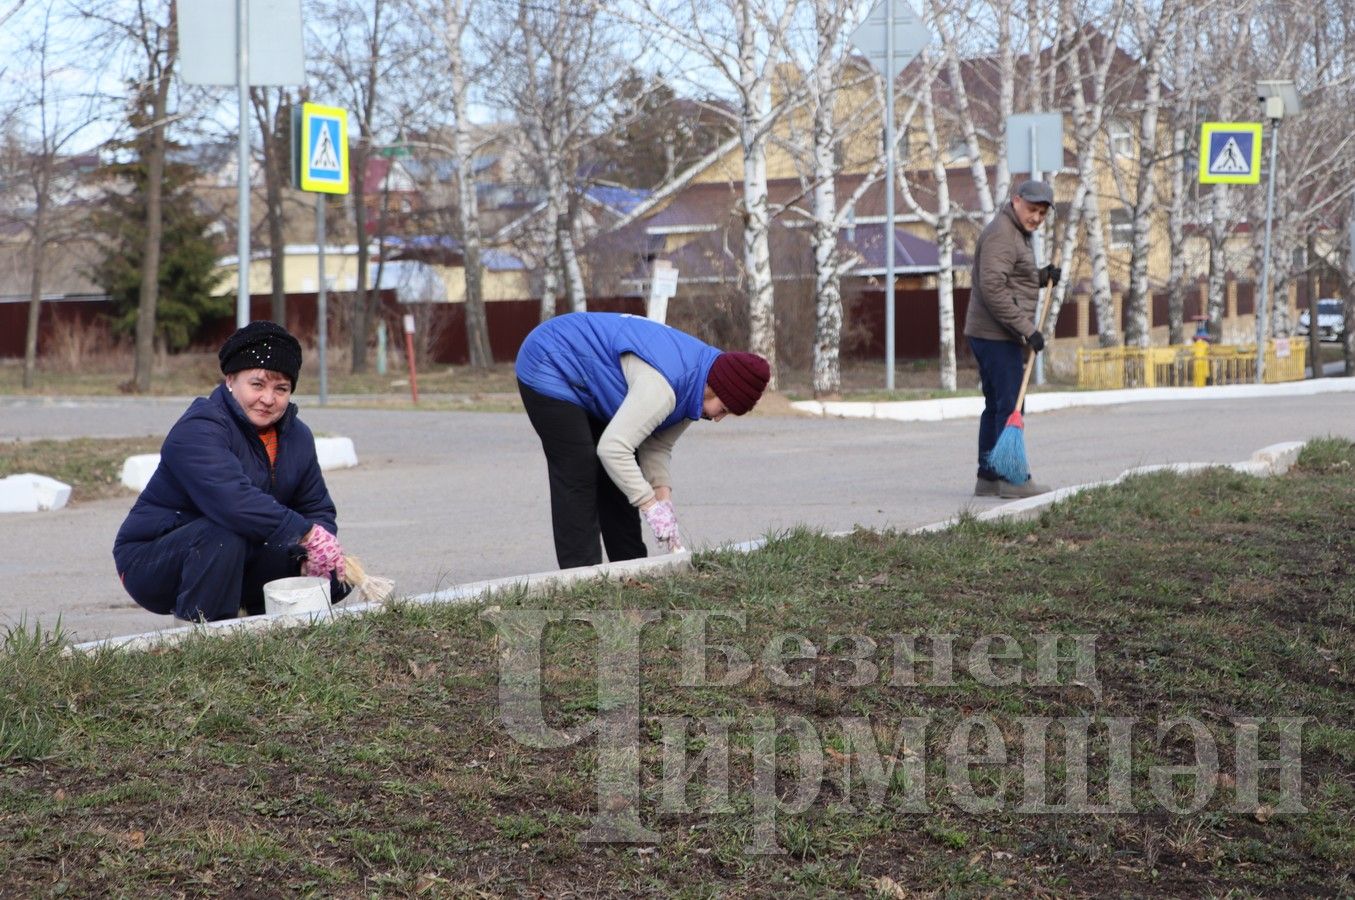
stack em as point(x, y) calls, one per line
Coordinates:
point(1008, 456)
point(366, 587)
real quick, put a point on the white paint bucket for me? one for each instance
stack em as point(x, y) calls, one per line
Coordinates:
point(295, 596)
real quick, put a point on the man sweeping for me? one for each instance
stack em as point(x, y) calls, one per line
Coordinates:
point(609, 394)
point(1000, 323)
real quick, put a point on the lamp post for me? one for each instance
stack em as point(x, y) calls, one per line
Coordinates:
point(1278, 98)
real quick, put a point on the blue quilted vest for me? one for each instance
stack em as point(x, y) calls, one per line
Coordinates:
point(577, 358)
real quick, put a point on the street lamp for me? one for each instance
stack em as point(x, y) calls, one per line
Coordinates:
point(1278, 98)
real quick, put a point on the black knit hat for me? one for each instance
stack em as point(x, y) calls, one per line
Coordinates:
point(262, 345)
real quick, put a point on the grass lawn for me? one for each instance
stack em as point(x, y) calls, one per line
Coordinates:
point(371, 757)
point(91, 466)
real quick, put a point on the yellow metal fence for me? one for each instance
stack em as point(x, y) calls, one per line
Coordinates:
point(1188, 365)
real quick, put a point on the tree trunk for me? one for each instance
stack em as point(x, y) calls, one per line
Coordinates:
point(150, 255)
point(35, 279)
point(468, 209)
point(574, 290)
point(827, 375)
point(275, 130)
point(1072, 229)
point(1176, 229)
point(945, 298)
point(1314, 289)
point(754, 126)
point(1139, 303)
point(363, 304)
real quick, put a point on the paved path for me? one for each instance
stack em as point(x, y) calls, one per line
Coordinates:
point(447, 497)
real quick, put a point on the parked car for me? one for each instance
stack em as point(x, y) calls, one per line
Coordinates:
point(1331, 321)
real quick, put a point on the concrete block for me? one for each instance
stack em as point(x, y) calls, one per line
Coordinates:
point(1278, 458)
point(137, 470)
point(32, 493)
point(336, 453)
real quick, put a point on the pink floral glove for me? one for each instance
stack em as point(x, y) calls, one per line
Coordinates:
point(323, 554)
point(663, 522)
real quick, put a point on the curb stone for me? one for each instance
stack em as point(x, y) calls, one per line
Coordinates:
point(1275, 459)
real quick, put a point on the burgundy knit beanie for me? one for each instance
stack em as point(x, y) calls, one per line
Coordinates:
point(739, 379)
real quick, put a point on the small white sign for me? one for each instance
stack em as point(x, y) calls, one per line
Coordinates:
point(409, 324)
point(1281, 348)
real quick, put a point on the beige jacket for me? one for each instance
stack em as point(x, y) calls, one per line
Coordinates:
point(1006, 282)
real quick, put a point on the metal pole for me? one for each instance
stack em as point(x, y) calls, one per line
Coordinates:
point(1036, 247)
point(321, 300)
point(242, 182)
point(1261, 323)
point(889, 195)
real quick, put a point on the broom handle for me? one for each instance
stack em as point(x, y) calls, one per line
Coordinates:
point(1030, 360)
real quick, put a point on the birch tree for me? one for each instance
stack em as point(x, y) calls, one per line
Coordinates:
point(562, 77)
point(742, 42)
point(941, 219)
point(456, 16)
point(1150, 25)
point(1087, 64)
point(59, 121)
point(832, 71)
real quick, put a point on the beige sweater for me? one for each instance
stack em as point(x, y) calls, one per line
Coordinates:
point(633, 453)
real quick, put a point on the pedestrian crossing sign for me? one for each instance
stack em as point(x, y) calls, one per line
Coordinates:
point(323, 149)
point(1230, 153)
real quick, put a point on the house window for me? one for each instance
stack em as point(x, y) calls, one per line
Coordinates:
point(1121, 228)
point(1121, 140)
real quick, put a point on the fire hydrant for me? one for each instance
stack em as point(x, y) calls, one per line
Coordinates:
point(1200, 352)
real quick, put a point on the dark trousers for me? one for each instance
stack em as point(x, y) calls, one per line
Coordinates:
point(202, 571)
point(584, 501)
point(1000, 368)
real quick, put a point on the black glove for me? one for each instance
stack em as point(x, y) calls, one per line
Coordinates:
point(1035, 341)
point(1050, 274)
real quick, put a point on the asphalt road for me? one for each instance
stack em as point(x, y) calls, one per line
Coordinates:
point(442, 498)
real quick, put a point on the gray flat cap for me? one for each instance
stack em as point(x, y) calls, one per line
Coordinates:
point(1036, 192)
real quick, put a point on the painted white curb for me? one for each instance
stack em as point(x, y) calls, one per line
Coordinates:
point(971, 407)
point(336, 453)
point(1275, 459)
point(28, 492)
point(332, 453)
point(137, 470)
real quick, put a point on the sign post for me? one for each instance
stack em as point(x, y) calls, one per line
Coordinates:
point(1230, 153)
point(662, 288)
point(891, 35)
point(320, 165)
point(223, 44)
point(409, 357)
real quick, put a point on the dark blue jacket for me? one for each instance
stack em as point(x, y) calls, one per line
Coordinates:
point(577, 358)
point(213, 464)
